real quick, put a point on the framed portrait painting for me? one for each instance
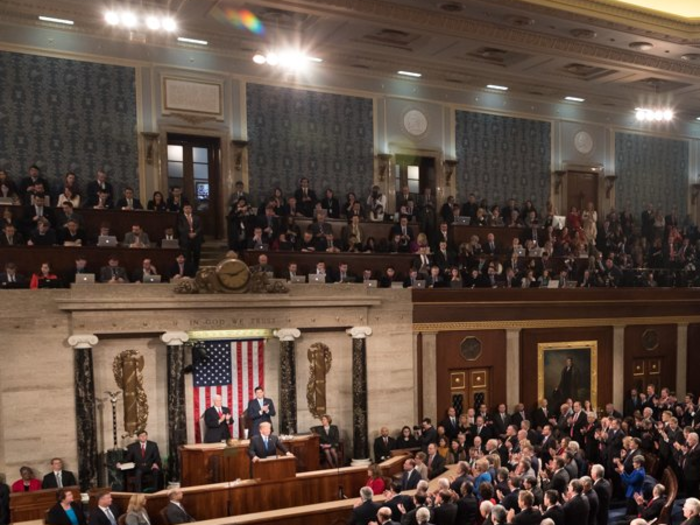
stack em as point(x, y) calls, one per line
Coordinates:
point(568, 370)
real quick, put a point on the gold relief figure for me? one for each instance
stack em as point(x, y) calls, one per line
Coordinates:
point(128, 374)
point(320, 359)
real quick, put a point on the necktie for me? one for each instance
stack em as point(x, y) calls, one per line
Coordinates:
point(10, 241)
point(143, 450)
point(386, 441)
point(59, 481)
point(189, 221)
point(12, 278)
point(110, 516)
point(218, 410)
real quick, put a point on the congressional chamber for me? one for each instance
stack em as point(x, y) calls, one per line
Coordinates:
point(377, 262)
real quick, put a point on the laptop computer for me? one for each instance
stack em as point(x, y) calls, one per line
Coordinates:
point(463, 220)
point(298, 279)
point(536, 252)
point(317, 278)
point(151, 278)
point(170, 243)
point(107, 240)
point(520, 251)
point(420, 284)
point(559, 221)
point(372, 283)
point(6, 201)
point(553, 284)
point(262, 246)
point(84, 278)
point(396, 284)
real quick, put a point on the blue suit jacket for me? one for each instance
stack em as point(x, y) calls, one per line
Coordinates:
point(634, 481)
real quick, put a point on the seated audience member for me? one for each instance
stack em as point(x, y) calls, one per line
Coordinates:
point(434, 279)
point(308, 242)
point(175, 511)
point(258, 241)
point(58, 478)
point(328, 244)
point(146, 457)
point(44, 278)
point(403, 230)
point(329, 438)
point(423, 516)
point(388, 277)
point(35, 212)
point(406, 439)
point(42, 235)
point(320, 227)
point(8, 218)
point(344, 275)
point(283, 244)
point(376, 215)
point(104, 231)
point(71, 235)
point(113, 273)
point(136, 513)
point(8, 189)
point(262, 265)
point(375, 481)
point(691, 512)
point(435, 462)
point(10, 279)
point(136, 238)
point(10, 236)
point(331, 205)
point(367, 275)
point(69, 194)
point(97, 186)
point(291, 272)
point(147, 270)
point(157, 202)
point(105, 513)
point(412, 279)
point(66, 511)
point(651, 510)
point(365, 510)
point(176, 200)
point(66, 214)
point(28, 183)
point(169, 234)
point(383, 445)
point(79, 268)
point(180, 268)
point(27, 482)
point(321, 270)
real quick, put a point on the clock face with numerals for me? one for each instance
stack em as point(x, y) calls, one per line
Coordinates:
point(233, 274)
point(583, 142)
point(415, 122)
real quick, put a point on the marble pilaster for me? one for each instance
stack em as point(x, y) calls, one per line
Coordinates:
point(360, 432)
point(177, 421)
point(618, 366)
point(682, 359)
point(288, 379)
point(513, 368)
point(85, 413)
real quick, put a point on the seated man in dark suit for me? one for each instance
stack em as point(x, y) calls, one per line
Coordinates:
point(265, 444)
point(180, 268)
point(435, 462)
point(113, 273)
point(58, 478)
point(129, 202)
point(104, 513)
point(383, 445)
point(10, 236)
point(10, 279)
point(43, 235)
point(217, 418)
point(365, 510)
point(175, 512)
point(145, 455)
point(651, 510)
point(410, 476)
point(262, 266)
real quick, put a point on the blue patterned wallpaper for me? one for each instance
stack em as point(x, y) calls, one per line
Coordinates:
point(651, 169)
point(500, 157)
point(68, 115)
point(293, 133)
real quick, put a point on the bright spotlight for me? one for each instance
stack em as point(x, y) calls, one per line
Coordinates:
point(153, 23)
point(128, 20)
point(273, 59)
point(169, 24)
point(112, 18)
point(259, 59)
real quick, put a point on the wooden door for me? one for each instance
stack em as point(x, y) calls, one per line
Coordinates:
point(647, 371)
point(469, 387)
point(416, 172)
point(194, 165)
point(581, 188)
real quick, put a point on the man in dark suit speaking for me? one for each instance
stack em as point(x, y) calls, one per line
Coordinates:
point(265, 445)
point(260, 409)
point(58, 478)
point(146, 458)
point(217, 419)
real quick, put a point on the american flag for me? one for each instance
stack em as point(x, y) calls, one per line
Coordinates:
point(231, 369)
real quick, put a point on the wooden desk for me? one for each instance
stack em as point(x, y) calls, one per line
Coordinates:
point(235, 498)
point(394, 465)
point(275, 468)
point(214, 463)
point(25, 506)
point(503, 236)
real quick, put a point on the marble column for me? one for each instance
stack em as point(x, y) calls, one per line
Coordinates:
point(177, 421)
point(429, 364)
point(513, 368)
point(682, 359)
point(618, 367)
point(360, 437)
point(288, 379)
point(85, 409)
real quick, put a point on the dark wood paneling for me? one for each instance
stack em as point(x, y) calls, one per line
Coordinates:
point(493, 357)
point(666, 350)
point(692, 375)
point(27, 506)
point(529, 339)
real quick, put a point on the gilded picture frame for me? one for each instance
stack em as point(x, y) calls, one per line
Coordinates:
point(556, 381)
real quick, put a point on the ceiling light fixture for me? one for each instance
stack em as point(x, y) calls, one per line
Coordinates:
point(112, 18)
point(196, 41)
point(575, 99)
point(290, 59)
point(153, 23)
point(314, 59)
point(169, 24)
point(412, 74)
point(260, 59)
point(654, 115)
point(128, 20)
point(497, 87)
point(56, 20)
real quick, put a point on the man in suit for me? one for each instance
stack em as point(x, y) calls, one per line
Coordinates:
point(444, 508)
point(577, 422)
point(33, 178)
point(451, 423)
point(592, 497)
point(331, 205)
point(519, 415)
point(128, 201)
point(691, 512)
point(651, 510)
point(10, 279)
point(104, 513)
point(175, 512)
point(410, 476)
point(435, 462)
point(189, 227)
point(58, 478)
point(260, 409)
point(217, 419)
point(146, 457)
point(603, 489)
point(576, 507)
point(10, 236)
point(136, 238)
point(100, 184)
point(541, 415)
point(365, 511)
point(265, 444)
point(688, 457)
point(306, 198)
point(501, 421)
point(262, 266)
point(384, 516)
point(113, 273)
point(480, 429)
point(180, 268)
point(269, 223)
point(383, 445)
point(528, 515)
point(553, 510)
point(560, 477)
point(428, 434)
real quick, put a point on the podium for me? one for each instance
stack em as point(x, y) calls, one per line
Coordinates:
point(274, 468)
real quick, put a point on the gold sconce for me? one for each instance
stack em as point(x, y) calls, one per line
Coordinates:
point(151, 140)
point(239, 148)
point(694, 192)
point(560, 180)
point(384, 163)
point(609, 184)
point(449, 165)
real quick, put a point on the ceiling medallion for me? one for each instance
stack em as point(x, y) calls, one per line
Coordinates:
point(583, 33)
point(470, 349)
point(583, 142)
point(650, 340)
point(415, 122)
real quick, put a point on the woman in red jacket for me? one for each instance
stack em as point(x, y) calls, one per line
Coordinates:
point(28, 483)
point(44, 279)
point(375, 480)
